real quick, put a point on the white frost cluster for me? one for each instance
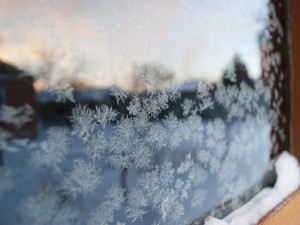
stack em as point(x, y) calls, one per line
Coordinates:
point(83, 179)
point(47, 208)
point(52, 151)
point(17, 116)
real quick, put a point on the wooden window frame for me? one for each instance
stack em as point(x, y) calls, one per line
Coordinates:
point(287, 212)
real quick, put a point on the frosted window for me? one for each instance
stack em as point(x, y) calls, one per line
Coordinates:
point(138, 112)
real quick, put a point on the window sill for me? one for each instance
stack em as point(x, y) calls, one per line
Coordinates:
point(287, 212)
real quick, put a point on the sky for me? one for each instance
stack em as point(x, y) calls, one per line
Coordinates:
point(100, 41)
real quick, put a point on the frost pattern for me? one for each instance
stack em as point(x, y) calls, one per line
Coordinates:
point(53, 150)
point(166, 185)
point(104, 214)
point(198, 198)
point(118, 94)
point(83, 179)
point(62, 94)
point(105, 115)
point(47, 208)
point(17, 116)
point(83, 121)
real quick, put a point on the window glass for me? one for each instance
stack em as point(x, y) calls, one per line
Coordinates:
point(138, 112)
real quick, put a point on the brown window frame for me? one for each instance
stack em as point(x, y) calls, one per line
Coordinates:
point(287, 212)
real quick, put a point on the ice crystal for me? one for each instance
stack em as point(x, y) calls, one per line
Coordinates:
point(198, 175)
point(83, 179)
point(104, 214)
point(17, 116)
point(186, 165)
point(83, 122)
point(187, 106)
point(173, 93)
point(204, 157)
point(141, 155)
point(118, 94)
point(47, 208)
point(52, 151)
point(155, 182)
point(105, 115)
point(157, 137)
point(135, 106)
point(171, 208)
point(155, 104)
point(62, 93)
point(136, 205)
point(198, 198)
point(96, 146)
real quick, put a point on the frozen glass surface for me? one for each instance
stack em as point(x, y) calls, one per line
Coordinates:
point(136, 112)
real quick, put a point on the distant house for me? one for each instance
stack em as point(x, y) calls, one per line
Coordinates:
point(16, 89)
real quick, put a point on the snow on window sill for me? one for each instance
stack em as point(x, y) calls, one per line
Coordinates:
point(288, 180)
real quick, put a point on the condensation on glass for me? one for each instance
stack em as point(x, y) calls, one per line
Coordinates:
point(138, 112)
